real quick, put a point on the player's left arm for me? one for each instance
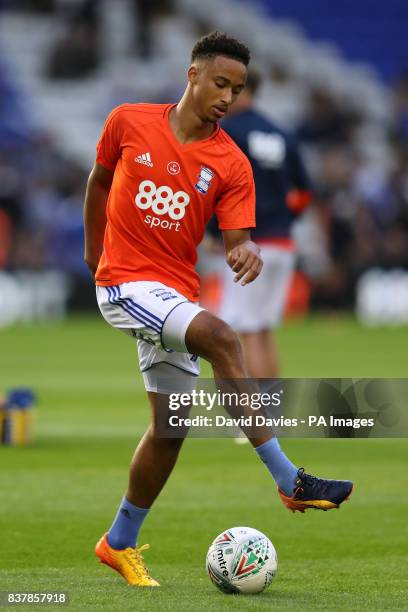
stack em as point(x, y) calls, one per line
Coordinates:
point(235, 212)
point(242, 255)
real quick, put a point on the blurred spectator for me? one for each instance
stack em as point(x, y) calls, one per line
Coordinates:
point(401, 108)
point(38, 6)
point(325, 121)
point(282, 97)
point(145, 12)
point(76, 54)
point(10, 207)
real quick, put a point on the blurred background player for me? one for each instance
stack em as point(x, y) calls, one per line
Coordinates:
point(282, 194)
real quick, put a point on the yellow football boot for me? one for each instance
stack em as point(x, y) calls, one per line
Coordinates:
point(128, 563)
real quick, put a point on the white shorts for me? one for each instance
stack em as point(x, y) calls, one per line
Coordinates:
point(158, 317)
point(259, 305)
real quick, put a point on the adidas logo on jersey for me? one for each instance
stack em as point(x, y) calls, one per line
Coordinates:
point(144, 159)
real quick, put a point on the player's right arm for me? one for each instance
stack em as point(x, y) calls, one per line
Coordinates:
point(96, 197)
point(108, 151)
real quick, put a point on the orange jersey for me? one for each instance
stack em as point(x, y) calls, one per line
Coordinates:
point(163, 194)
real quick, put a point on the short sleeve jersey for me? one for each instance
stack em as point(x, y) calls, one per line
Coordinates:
point(163, 194)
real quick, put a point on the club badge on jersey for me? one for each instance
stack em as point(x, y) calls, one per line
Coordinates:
point(204, 179)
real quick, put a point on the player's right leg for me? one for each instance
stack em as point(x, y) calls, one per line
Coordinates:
point(141, 310)
point(214, 340)
point(151, 465)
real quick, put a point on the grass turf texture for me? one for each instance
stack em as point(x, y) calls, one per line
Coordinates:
point(60, 495)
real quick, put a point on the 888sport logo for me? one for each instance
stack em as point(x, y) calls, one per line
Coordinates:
point(162, 201)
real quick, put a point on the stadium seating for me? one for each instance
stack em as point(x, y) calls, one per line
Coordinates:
point(83, 103)
point(367, 30)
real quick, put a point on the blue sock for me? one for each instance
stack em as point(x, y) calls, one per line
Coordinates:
point(125, 528)
point(283, 471)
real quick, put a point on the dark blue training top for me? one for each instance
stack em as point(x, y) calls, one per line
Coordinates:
point(277, 169)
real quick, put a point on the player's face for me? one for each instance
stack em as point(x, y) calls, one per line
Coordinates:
point(216, 83)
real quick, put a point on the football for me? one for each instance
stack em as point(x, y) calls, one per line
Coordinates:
point(241, 560)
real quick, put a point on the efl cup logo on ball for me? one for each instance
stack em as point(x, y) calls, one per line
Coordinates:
point(241, 560)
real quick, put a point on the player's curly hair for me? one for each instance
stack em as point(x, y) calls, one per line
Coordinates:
point(219, 43)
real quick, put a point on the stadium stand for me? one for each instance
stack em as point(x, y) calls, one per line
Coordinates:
point(352, 123)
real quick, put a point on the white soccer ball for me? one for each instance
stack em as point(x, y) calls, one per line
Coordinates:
point(241, 560)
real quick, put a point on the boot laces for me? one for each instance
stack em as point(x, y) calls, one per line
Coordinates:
point(135, 559)
point(312, 481)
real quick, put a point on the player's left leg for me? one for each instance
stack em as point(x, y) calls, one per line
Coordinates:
point(214, 340)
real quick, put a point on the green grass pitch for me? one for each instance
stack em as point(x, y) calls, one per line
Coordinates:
point(60, 495)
